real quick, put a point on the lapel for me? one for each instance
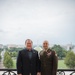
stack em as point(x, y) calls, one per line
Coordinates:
point(33, 54)
point(26, 53)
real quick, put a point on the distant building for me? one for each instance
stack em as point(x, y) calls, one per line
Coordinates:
point(12, 46)
point(15, 46)
point(74, 49)
point(1, 46)
point(64, 46)
point(38, 48)
point(20, 46)
point(69, 46)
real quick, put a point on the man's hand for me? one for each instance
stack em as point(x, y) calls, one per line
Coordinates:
point(38, 73)
point(19, 74)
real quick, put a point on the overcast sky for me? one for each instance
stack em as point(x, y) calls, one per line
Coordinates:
point(52, 20)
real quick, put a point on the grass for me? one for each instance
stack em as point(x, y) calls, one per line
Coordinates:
point(14, 63)
point(61, 64)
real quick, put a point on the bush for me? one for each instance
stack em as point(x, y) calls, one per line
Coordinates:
point(70, 60)
point(8, 62)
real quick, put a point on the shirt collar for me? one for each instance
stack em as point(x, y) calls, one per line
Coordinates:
point(45, 50)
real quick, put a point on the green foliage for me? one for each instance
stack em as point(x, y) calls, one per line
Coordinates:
point(70, 59)
point(14, 51)
point(61, 52)
point(14, 54)
point(8, 62)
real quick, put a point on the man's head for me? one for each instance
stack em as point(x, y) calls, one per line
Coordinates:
point(28, 44)
point(45, 44)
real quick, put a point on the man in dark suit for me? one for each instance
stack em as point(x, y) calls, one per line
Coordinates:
point(28, 61)
point(49, 60)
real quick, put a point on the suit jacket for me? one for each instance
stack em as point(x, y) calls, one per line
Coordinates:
point(49, 62)
point(25, 65)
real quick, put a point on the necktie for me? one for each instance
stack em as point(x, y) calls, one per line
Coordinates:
point(30, 54)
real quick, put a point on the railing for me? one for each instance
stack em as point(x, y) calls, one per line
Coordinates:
point(8, 71)
point(59, 71)
point(63, 72)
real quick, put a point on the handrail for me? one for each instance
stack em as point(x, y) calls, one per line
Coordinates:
point(59, 71)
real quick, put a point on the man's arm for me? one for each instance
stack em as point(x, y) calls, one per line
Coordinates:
point(19, 64)
point(55, 63)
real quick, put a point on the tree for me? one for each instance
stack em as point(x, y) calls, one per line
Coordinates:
point(13, 54)
point(15, 49)
point(8, 62)
point(70, 59)
point(61, 52)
